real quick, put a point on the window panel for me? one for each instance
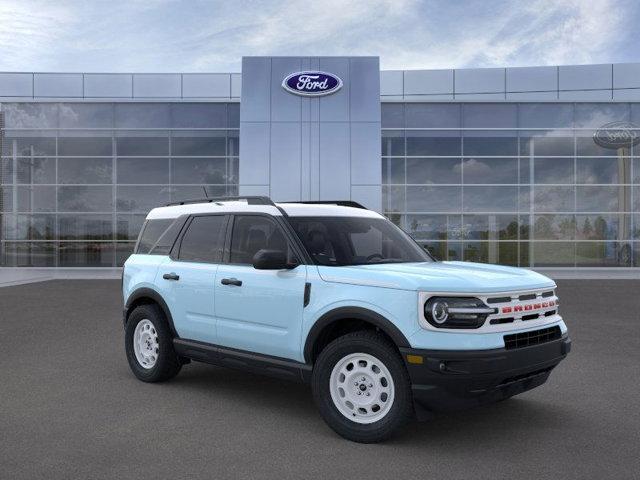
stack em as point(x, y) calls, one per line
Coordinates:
point(181, 193)
point(86, 254)
point(85, 227)
point(490, 199)
point(6, 199)
point(393, 199)
point(29, 146)
point(86, 115)
point(199, 115)
point(392, 143)
point(141, 198)
point(429, 171)
point(554, 227)
point(30, 115)
point(146, 146)
point(444, 251)
point(21, 254)
point(434, 227)
point(33, 227)
point(490, 115)
point(503, 253)
point(598, 114)
point(6, 171)
point(85, 170)
point(233, 112)
point(553, 170)
point(603, 254)
point(490, 170)
point(142, 115)
point(199, 170)
point(392, 115)
point(393, 170)
point(546, 144)
point(432, 115)
point(212, 144)
point(89, 146)
point(603, 170)
point(128, 226)
point(36, 170)
point(585, 145)
point(602, 226)
point(433, 143)
point(233, 143)
point(132, 170)
point(490, 227)
point(434, 199)
point(36, 199)
point(85, 199)
point(554, 254)
point(636, 171)
point(603, 198)
point(554, 199)
point(545, 115)
point(489, 145)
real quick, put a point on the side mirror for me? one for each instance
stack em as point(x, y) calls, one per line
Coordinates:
point(271, 260)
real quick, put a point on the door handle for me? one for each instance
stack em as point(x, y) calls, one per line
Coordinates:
point(231, 281)
point(171, 276)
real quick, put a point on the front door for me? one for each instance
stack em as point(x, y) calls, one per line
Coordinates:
point(259, 310)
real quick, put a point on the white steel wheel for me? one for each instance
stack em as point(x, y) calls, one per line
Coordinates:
point(145, 344)
point(362, 388)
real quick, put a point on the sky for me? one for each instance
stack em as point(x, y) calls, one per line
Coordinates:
point(212, 36)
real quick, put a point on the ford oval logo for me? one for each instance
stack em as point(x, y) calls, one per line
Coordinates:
point(617, 135)
point(312, 84)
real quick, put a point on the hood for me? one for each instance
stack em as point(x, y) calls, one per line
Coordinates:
point(454, 277)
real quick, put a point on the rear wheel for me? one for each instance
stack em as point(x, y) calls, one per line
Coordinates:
point(361, 387)
point(149, 345)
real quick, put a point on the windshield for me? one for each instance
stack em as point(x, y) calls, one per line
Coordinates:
point(341, 241)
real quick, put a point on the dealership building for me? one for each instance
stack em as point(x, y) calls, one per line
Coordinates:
point(532, 166)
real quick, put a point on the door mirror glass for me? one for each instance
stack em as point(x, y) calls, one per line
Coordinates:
point(271, 260)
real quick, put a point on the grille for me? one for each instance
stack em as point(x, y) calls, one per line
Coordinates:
point(535, 337)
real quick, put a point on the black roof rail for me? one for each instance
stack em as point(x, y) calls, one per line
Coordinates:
point(339, 203)
point(251, 200)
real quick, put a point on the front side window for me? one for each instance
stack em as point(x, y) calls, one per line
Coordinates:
point(252, 233)
point(204, 239)
point(341, 241)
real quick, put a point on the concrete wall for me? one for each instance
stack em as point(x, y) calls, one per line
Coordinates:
point(300, 148)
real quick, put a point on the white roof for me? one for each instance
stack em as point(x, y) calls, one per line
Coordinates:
point(292, 209)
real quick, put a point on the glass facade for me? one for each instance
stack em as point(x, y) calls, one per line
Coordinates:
point(519, 184)
point(77, 179)
point(514, 183)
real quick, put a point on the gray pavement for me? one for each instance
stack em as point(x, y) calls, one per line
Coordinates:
point(70, 408)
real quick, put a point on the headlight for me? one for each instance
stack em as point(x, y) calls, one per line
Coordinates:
point(456, 312)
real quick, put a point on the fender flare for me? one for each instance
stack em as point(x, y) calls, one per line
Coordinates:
point(145, 292)
point(352, 313)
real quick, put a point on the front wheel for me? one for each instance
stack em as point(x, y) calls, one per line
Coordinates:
point(149, 345)
point(362, 388)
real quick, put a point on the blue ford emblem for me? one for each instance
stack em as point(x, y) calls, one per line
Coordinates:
point(617, 135)
point(312, 84)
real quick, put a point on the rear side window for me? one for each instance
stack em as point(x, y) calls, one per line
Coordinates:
point(151, 233)
point(204, 239)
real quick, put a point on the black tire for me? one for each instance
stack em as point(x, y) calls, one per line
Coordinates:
point(168, 364)
point(378, 346)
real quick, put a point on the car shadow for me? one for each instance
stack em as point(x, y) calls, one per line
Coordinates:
point(507, 419)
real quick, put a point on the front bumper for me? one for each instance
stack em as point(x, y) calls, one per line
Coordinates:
point(455, 379)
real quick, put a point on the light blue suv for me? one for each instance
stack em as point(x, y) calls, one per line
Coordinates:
point(335, 295)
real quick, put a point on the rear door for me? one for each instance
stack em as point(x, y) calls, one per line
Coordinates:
point(259, 310)
point(189, 277)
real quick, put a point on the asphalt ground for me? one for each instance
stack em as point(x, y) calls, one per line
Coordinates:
point(70, 408)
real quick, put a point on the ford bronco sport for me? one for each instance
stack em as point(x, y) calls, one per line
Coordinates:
point(335, 295)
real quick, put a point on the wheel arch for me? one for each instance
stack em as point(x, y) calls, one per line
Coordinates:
point(145, 296)
point(331, 322)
